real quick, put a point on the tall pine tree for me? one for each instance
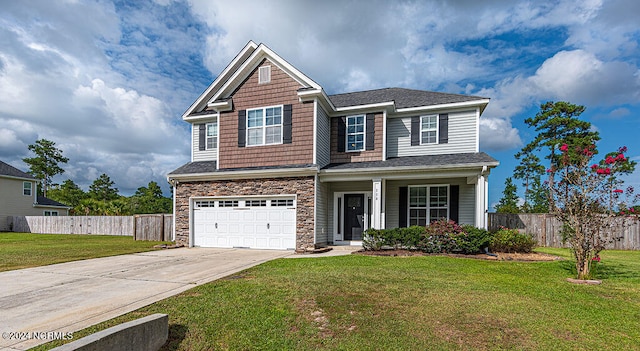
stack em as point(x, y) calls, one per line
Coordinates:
point(557, 123)
point(509, 201)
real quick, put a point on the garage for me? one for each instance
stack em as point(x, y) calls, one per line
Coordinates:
point(247, 222)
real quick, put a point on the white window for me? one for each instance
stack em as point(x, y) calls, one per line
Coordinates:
point(264, 126)
point(429, 129)
point(428, 204)
point(51, 213)
point(26, 188)
point(212, 136)
point(355, 133)
point(264, 74)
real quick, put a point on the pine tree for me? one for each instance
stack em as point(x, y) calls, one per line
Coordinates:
point(509, 201)
point(557, 123)
point(45, 165)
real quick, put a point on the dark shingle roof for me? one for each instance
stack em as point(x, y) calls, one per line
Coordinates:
point(403, 98)
point(48, 202)
point(8, 170)
point(416, 161)
point(210, 167)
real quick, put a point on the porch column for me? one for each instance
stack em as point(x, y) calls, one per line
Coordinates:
point(481, 202)
point(376, 204)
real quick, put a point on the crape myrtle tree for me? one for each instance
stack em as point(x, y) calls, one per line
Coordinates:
point(585, 197)
point(557, 123)
point(46, 164)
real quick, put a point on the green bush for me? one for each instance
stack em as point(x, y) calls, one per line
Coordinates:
point(473, 240)
point(511, 240)
point(373, 239)
point(442, 236)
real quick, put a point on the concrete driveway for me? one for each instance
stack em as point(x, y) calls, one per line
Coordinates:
point(71, 296)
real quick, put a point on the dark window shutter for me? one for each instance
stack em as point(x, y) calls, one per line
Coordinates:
point(202, 136)
point(287, 124)
point(341, 133)
point(242, 128)
point(454, 203)
point(371, 131)
point(443, 128)
point(402, 206)
point(415, 131)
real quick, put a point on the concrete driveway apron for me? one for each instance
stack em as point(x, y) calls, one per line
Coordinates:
point(71, 296)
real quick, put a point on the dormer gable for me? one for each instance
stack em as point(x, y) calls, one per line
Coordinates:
point(218, 97)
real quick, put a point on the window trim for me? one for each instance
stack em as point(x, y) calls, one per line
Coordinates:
point(207, 137)
point(436, 129)
point(52, 213)
point(428, 207)
point(264, 126)
point(25, 188)
point(364, 133)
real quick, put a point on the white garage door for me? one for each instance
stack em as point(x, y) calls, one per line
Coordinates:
point(259, 223)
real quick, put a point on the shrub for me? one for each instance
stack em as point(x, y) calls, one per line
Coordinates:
point(439, 237)
point(373, 239)
point(473, 240)
point(397, 238)
point(511, 240)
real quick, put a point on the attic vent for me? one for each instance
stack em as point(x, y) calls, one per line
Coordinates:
point(264, 74)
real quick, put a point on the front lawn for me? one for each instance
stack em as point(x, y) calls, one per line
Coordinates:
point(24, 250)
point(407, 303)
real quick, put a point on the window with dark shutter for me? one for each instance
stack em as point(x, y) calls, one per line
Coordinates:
point(242, 128)
point(415, 131)
point(287, 124)
point(443, 128)
point(341, 133)
point(202, 134)
point(371, 130)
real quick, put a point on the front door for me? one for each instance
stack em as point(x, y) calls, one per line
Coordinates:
point(353, 216)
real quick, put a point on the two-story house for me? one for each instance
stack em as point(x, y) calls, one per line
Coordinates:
point(19, 197)
point(277, 163)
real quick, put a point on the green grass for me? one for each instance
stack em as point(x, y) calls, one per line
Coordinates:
point(406, 303)
point(24, 250)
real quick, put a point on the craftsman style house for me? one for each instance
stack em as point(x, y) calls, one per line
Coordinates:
point(19, 197)
point(277, 163)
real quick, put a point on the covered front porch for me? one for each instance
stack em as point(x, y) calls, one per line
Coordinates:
point(354, 200)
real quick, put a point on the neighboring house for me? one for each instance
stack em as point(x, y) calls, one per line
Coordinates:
point(277, 163)
point(19, 197)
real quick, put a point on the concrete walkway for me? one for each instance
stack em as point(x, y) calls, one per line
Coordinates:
point(71, 296)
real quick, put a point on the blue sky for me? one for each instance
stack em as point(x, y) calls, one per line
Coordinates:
point(108, 81)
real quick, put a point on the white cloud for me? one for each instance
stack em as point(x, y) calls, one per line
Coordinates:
point(498, 134)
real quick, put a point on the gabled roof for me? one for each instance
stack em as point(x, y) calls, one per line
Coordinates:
point(403, 98)
point(10, 171)
point(238, 70)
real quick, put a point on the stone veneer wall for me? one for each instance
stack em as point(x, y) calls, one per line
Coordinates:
point(303, 187)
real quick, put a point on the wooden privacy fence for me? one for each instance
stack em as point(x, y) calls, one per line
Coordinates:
point(546, 229)
point(155, 227)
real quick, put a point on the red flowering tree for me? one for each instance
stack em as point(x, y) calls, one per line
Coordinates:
point(586, 199)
